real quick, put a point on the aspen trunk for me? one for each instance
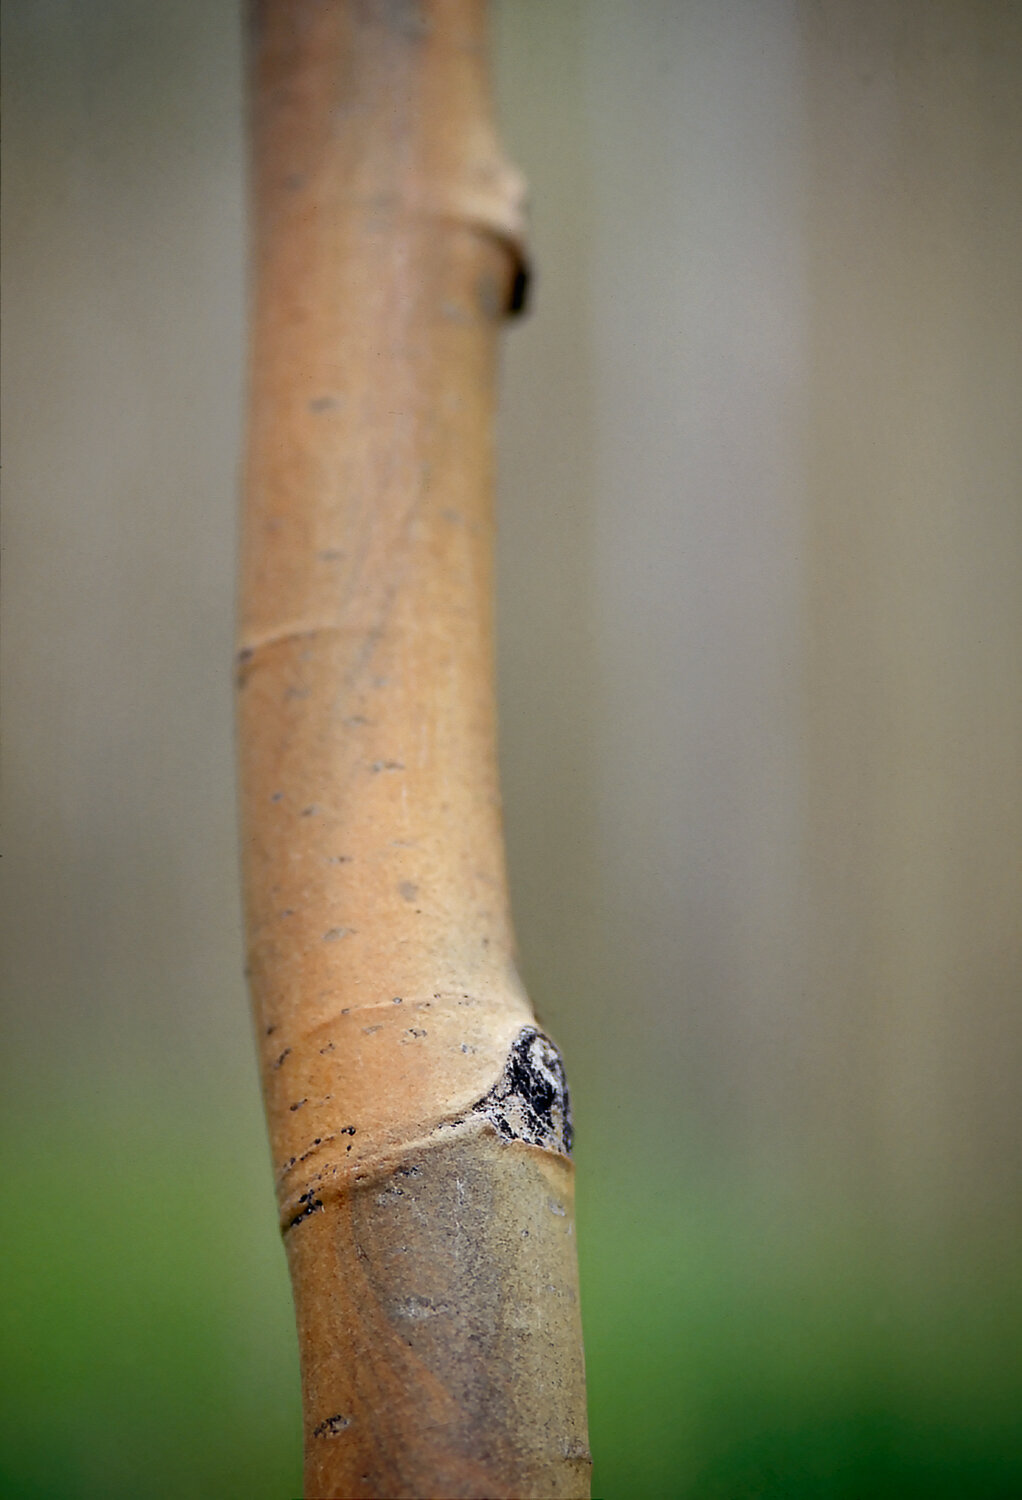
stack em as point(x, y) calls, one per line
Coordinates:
point(418, 1118)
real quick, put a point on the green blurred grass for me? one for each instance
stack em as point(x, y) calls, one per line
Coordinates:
point(743, 1343)
point(739, 1343)
point(147, 1341)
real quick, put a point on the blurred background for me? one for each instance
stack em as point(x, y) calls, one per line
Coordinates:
point(760, 614)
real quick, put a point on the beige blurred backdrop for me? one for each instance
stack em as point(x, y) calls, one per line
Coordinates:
point(760, 579)
point(761, 570)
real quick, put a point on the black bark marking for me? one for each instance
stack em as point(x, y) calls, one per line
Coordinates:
point(312, 1205)
point(531, 1101)
point(331, 1426)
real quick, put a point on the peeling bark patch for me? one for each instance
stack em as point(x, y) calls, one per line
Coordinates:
point(331, 1426)
point(531, 1101)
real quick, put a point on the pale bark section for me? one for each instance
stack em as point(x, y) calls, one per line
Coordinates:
point(380, 948)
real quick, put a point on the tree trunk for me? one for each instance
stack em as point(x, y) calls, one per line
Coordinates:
point(418, 1118)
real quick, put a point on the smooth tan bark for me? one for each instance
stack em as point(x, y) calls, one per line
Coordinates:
point(418, 1119)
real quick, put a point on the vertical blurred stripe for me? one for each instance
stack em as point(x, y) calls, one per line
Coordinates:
point(914, 584)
